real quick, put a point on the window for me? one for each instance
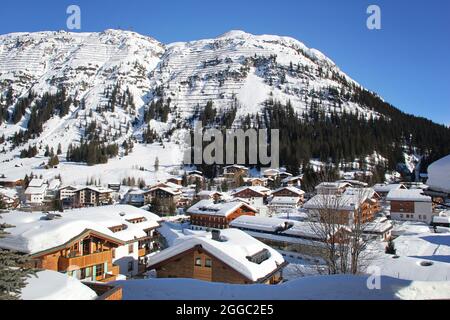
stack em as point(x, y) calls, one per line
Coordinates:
point(113, 253)
point(401, 216)
point(208, 263)
point(99, 271)
point(198, 262)
point(130, 248)
point(130, 266)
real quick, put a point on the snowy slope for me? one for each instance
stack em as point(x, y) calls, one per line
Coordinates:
point(236, 69)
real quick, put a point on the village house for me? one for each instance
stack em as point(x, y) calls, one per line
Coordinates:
point(91, 196)
point(286, 235)
point(207, 214)
point(9, 198)
point(340, 209)
point(289, 192)
point(410, 205)
point(99, 244)
point(256, 196)
point(195, 177)
point(67, 195)
point(332, 188)
point(163, 193)
point(234, 171)
point(283, 175)
point(210, 195)
point(368, 196)
point(284, 205)
point(35, 193)
point(292, 181)
point(271, 174)
point(134, 197)
point(227, 256)
point(383, 189)
point(176, 180)
point(256, 182)
point(11, 183)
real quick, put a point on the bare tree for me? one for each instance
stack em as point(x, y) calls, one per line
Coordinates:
point(340, 223)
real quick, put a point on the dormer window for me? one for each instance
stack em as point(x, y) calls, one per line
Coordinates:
point(116, 229)
point(137, 220)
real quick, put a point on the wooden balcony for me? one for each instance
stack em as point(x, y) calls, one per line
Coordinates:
point(84, 261)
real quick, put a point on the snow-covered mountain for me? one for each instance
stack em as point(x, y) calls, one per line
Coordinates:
point(235, 70)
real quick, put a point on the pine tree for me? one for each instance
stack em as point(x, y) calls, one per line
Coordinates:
point(156, 164)
point(13, 271)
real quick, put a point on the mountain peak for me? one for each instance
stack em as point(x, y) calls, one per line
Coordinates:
point(235, 34)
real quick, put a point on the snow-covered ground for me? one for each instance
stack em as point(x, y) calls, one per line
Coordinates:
point(170, 159)
point(310, 288)
point(51, 285)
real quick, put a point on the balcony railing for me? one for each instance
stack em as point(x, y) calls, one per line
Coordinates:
point(84, 261)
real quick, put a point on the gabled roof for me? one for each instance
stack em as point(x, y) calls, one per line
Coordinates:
point(33, 233)
point(291, 189)
point(331, 201)
point(234, 250)
point(263, 191)
point(224, 209)
point(36, 183)
point(408, 195)
point(285, 201)
point(381, 187)
point(36, 190)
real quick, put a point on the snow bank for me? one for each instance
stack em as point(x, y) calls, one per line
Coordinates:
point(439, 175)
point(51, 285)
point(342, 287)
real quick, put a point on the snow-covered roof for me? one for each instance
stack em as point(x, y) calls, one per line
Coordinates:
point(224, 209)
point(340, 202)
point(169, 190)
point(208, 193)
point(36, 183)
point(52, 285)
point(9, 193)
point(36, 190)
point(285, 201)
point(381, 187)
point(363, 193)
point(332, 185)
point(282, 227)
point(54, 184)
point(353, 182)
point(33, 233)
point(291, 189)
point(289, 179)
point(258, 189)
point(408, 195)
point(439, 175)
point(234, 249)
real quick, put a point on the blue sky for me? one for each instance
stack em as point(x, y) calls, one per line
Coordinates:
point(407, 62)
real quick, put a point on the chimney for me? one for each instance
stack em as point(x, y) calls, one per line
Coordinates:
point(216, 235)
